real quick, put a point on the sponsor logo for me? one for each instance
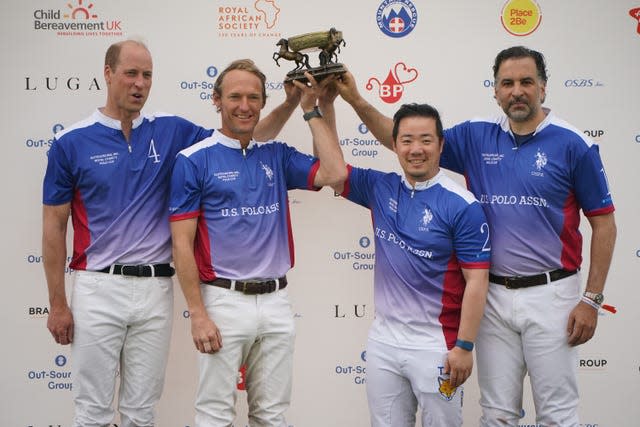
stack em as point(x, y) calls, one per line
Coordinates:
point(342, 312)
point(595, 134)
point(386, 236)
point(521, 17)
point(43, 143)
point(58, 83)
point(426, 219)
point(505, 199)
point(361, 147)
point(55, 379)
point(37, 259)
point(77, 18)
point(540, 163)
point(638, 138)
point(396, 18)
point(582, 83)
point(446, 390)
point(392, 88)
point(492, 158)
point(592, 364)
point(360, 259)
point(635, 14)
point(257, 19)
point(267, 172)
point(355, 371)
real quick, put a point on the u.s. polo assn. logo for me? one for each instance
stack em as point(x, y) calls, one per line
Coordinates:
point(540, 163)
point(268, 172)
point(427, 216)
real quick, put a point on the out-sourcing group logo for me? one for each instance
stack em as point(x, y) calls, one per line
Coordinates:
point(396, 18)
point(635, 13)
point(251, 19)
point(391, 89)
point(77, 18)
point(521, 17)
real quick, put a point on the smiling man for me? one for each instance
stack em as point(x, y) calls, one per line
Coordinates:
point(430, 281)
point(233, 246)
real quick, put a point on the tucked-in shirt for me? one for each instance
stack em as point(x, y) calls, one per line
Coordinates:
point(118, 190)
point(240, 199)
point(532, 193)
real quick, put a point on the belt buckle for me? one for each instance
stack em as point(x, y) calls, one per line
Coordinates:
point(138, 270)
point(246, 288)
point(508, 281)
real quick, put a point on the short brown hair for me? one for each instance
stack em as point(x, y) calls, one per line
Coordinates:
point(244, 65)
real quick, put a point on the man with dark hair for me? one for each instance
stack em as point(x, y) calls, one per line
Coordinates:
point(430, 277)
point(111, 173)
point(533, 173)
point(233, 246)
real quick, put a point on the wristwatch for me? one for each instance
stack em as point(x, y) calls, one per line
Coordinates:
point(597, 298)
point(311, 114)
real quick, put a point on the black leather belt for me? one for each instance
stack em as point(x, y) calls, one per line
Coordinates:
point(251, 288)
point(143, 270)
point(517, 282)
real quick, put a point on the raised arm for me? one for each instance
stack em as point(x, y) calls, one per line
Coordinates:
point(332, 170)
point(380, 125)
point(270, 126)
point(54, 253)
point(205, 333)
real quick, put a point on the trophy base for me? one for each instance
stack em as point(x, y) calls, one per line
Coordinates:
point(318, 73)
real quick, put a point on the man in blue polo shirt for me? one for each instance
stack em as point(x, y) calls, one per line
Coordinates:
point(233, 246)
point(430, 281)
point(111, 173)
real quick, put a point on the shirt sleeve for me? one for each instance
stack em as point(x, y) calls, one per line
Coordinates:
point(454, 151)
point(360, 184)
point(186, 190)
point(591, 185)
point(58, 185)
point(471, 239)
point(300, 169)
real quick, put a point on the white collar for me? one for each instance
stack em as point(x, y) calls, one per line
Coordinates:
point(423, 185)
point(232, 142)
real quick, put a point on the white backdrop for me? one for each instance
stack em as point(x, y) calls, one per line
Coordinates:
point(52, 77)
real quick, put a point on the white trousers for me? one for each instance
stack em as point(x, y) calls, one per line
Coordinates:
point(256, 330)
point(399, 380)
point(525, 330)
point(122, 326)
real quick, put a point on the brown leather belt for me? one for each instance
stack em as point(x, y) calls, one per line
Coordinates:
point(517, 282)
point(251, 287)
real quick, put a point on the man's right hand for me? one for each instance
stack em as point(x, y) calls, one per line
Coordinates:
point(206, 335)
point(60, 324)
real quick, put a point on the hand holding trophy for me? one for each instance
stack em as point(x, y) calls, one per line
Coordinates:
point(294, 48)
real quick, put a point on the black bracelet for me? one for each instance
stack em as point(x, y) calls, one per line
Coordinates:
point(311, 114)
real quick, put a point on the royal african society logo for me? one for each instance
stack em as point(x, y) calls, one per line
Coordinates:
point(254, 19)
point(78, 18)
point(396, 18)
point(521, 17)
